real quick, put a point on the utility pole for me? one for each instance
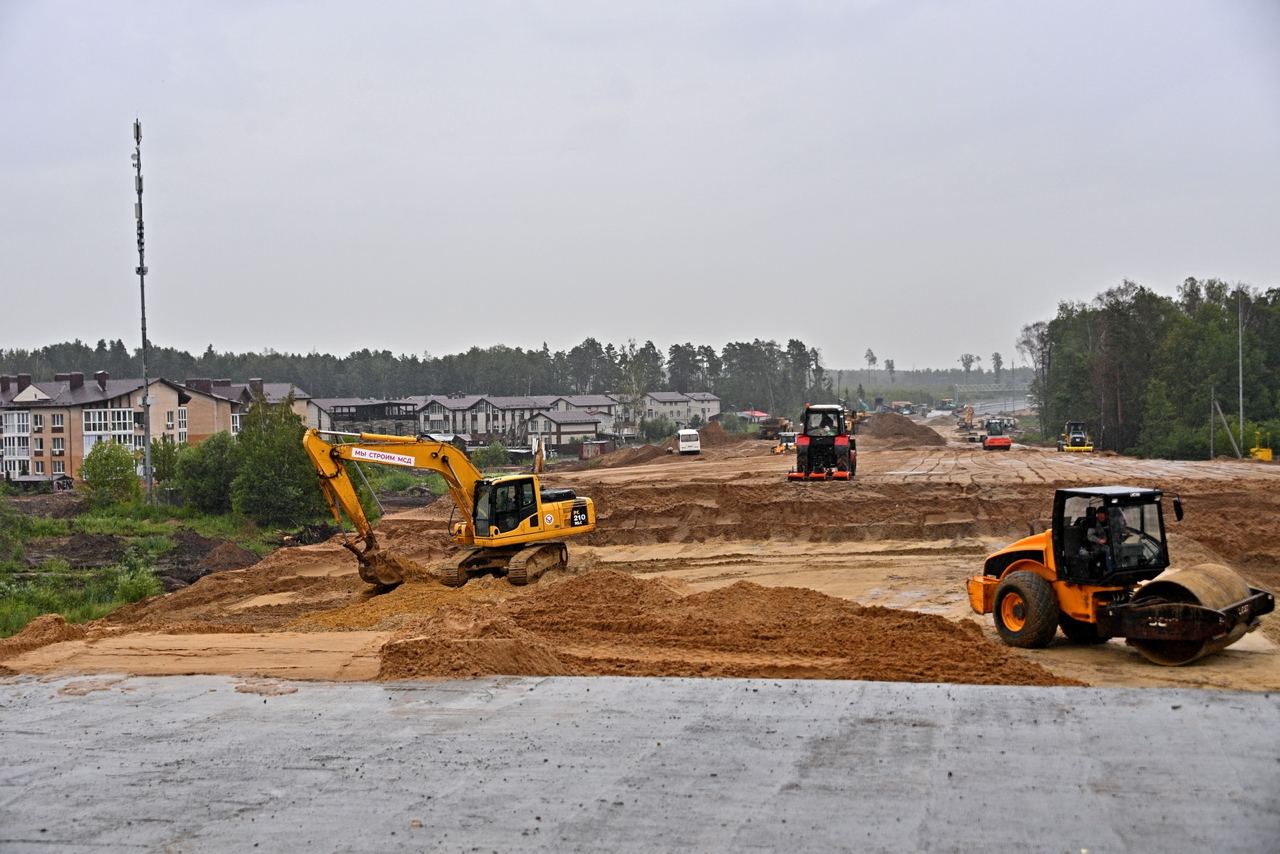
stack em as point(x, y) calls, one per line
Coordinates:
point(1240, 355)
point(142, 289)
point(1212, 429)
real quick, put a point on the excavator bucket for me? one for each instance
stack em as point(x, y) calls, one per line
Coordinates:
point(383, 567)
point(1183, 615)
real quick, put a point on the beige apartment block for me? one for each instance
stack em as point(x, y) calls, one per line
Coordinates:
point(47, 428)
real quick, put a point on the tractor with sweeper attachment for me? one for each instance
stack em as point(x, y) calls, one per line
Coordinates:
point(825, 447)
point(1102, 571)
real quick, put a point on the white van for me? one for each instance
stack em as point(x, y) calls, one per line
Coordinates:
point(688, 441)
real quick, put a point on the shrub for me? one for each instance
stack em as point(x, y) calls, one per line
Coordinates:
point(110, 475)
point(491, 457)
point(655, 429)
point(204, 473)
point(164, 459)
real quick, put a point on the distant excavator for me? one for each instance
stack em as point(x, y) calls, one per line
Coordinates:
point(510, 526)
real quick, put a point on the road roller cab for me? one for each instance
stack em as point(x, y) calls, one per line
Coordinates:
point(1101, 571)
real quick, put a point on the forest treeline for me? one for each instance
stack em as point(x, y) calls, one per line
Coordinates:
point(1142, 368)
point(1136, 365)
point(763, 374)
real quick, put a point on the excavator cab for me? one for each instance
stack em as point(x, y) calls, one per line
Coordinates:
point(517, 506)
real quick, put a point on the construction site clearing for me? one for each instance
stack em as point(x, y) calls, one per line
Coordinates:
point(707, 566)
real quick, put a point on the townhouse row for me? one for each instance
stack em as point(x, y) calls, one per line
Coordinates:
point(47, 428)
point(558, 420)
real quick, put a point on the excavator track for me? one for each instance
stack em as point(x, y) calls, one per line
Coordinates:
point(530, 563)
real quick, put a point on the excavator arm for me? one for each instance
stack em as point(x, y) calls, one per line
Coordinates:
point(459, 473)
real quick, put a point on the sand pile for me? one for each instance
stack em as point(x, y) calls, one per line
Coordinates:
point(42, 631)
point(612, 623)
point(895, 432)
point(715, 436)
point(631, 456)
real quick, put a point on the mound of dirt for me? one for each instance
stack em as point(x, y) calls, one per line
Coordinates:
point(631, 456)
point(613, 623)
point(893, 431)
point(195, 556)
point(714, 436)
point(90, 550)
point(42, 631)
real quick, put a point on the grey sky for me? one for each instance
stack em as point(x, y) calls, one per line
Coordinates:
point(918, 178)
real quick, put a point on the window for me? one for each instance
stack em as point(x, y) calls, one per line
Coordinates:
point(95, 421)
point(121, 420)
point(37, 445)
point(17, 422)
point(37, 422)
point(235, 423)
point(59, 446)
point(55, 422)
point(168, 420)
point(59, 467)
point(39, 466)
point(182, 425)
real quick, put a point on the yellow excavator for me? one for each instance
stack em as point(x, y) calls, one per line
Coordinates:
point(511, 525)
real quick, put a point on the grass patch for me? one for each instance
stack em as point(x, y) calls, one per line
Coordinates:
point(119, 526)
point(78, 596)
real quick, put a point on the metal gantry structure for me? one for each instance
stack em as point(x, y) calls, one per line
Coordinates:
point(142, 289)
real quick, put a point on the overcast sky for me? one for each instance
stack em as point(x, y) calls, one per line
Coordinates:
point(918, 178)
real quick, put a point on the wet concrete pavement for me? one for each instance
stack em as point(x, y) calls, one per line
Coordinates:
point(626, 764)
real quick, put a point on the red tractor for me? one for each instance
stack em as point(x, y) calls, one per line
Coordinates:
point(996, 438)
point(825, 448)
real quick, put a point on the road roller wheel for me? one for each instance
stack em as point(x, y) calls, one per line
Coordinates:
point(1078, 631)
point(1026, 610)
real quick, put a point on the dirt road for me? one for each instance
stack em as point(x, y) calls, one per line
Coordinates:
point(716, 560)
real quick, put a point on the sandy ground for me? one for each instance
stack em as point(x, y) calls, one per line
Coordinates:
point(904, 535)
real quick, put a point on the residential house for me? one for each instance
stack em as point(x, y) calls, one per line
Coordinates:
point(395, 417)
point(667, 404)
point(704, 405)
point(559, 428)
point(451, 413)
point(47, 428)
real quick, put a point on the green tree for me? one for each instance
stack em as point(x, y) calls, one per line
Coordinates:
point(492, 456)
point(655, 429)
point(966, 362)
point(891, 368)
point(275, 482)
point(997, 364)
point(204, 473)
point(164, 459)
point(110, 474)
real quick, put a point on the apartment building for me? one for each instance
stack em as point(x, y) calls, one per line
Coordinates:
point(47, 428)
point(244, 395)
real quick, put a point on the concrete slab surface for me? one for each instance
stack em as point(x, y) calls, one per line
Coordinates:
point(617, 764)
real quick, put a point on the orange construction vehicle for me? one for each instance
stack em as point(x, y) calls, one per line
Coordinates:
point(1102, 571)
